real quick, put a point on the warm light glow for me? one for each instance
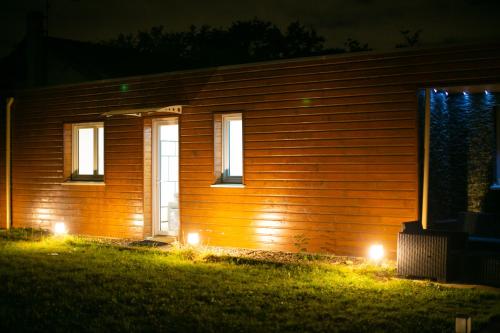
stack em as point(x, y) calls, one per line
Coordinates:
point(376, 252)
point(138, 223)
point(60, 228)
point(193, 238)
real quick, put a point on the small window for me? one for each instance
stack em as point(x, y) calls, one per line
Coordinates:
point(88, 151)
point(229, 148)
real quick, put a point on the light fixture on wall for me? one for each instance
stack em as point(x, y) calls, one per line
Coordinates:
point(193, 238)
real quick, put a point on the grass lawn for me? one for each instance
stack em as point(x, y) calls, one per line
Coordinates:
point(52, 284)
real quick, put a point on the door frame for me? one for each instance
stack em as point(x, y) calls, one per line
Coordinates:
point(155, 209)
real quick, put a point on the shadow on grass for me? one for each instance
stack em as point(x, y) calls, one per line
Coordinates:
point(149, 243)
point(84, 243)
point(241, 261)
point(244, 261)
point(24, 234)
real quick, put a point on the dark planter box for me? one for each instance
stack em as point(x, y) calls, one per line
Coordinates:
point(432, 255)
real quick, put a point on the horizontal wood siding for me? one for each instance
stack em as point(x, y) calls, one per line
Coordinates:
point(330, 158)
point(41, 198)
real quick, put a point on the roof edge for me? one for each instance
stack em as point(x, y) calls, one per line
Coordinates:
point(353, 55)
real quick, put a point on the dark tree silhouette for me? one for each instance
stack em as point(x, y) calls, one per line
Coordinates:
point(255, 40)
point(352, 45)
point(302, 41)
point(241, 42)
point(410, 39)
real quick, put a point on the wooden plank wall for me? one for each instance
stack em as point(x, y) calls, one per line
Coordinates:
point(40, 197)
point(330, 159)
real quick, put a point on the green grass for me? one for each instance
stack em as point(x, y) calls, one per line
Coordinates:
point(52, 284)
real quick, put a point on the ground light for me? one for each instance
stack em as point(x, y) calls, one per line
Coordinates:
point(60, 228)
point(376, 252)
point(463, 324)
point(193, 238)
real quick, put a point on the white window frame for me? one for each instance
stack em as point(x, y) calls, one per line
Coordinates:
point(226, 178)
point(74, 151)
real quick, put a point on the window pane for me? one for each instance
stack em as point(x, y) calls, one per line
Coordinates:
point(164, 168)
point(168, 148)
point(169, 132)
point(173, 169)
point(235, 148)
point(86, 151)
point(100, 158)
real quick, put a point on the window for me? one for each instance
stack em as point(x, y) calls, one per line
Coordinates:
point(228, 148)
point(88, 151)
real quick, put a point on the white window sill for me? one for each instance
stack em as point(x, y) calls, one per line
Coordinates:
point(83, 182)
point(228, 185)
point(495, 187)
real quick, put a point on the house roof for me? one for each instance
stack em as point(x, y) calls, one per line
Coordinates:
point(103, 64)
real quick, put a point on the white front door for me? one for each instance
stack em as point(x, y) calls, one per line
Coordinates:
point(166, 176)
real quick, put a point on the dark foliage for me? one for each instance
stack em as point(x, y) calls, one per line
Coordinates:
point(205, 46)
point(410, 39)
point(353, 45)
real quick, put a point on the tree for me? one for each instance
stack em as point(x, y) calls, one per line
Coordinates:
point(410, 40)
point(255, 40)
point(241, 42)
point(353, 45)
point(302, 41)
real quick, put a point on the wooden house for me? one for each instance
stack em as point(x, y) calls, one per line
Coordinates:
point(318, 154)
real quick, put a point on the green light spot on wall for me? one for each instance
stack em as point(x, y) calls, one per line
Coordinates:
point(123, 87)
point(306, 101)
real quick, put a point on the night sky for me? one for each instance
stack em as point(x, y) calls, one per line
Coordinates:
point(375, 22)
